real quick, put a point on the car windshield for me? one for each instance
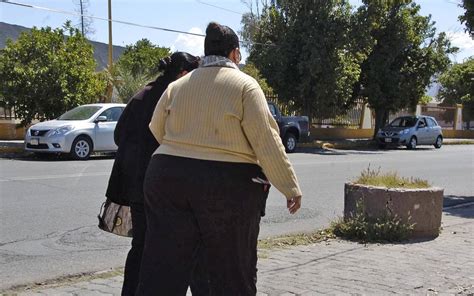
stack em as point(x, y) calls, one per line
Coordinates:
point(80, 113)
point(403, 122)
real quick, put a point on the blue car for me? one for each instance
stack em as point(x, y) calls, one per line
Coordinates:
point(410, 131)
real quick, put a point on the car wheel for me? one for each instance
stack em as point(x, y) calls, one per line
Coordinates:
point(412, 143)
point(81, 148)
point(439, 142)
point(289, 141)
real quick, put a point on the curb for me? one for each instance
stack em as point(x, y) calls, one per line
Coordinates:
point(18, 148)
point(63, 281)
point(11, 149)
point(461, 205)
point(337, 145)
point(362, 145)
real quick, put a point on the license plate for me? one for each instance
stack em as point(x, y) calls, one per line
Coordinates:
point(388, 140)
point(34, 141)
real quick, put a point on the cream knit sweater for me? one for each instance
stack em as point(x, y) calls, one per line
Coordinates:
point(221, 114)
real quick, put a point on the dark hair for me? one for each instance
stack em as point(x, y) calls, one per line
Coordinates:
point(174, 64)
point(220, 40)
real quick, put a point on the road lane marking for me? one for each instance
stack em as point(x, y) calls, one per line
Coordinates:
point(48, 177)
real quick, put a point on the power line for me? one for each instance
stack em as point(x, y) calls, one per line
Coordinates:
point(219, 7)
point(100, 18)
point(118, 21)
point(241, 14)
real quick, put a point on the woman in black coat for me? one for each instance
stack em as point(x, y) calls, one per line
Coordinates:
point(136, 144)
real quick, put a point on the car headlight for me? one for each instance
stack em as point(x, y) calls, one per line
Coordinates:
point(405, 131)
point(61, 131)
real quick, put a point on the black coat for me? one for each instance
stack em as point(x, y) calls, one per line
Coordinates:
point(136, 144)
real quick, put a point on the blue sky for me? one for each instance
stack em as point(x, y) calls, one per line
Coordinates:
point(192, 16)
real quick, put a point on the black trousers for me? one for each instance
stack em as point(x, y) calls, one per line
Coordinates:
point(199, 283)
point(134, 257)
point(201, 208)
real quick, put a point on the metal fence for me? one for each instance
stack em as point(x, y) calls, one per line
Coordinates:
point(444, 115)
point(468, 125)
point(285, 108)
point(7, 113)
point(349, 119)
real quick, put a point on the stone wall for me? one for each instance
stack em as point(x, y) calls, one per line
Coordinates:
point(10, 130)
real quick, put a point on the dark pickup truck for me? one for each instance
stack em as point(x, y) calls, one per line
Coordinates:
point(293, 129)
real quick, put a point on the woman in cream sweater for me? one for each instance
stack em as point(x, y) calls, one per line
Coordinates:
point(206, 185)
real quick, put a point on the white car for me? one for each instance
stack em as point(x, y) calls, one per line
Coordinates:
point(79, 132)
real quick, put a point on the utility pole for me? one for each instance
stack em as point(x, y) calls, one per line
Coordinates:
point(82, 18)
point(110, 86)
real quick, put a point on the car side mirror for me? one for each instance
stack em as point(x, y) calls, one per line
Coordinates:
point(101, 118)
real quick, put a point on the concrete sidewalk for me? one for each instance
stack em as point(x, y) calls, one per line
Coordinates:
point(443, 266)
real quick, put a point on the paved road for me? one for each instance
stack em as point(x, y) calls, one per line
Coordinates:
point(48, 207)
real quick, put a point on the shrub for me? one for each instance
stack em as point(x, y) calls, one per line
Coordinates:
point(46, 72)
point(361, 227)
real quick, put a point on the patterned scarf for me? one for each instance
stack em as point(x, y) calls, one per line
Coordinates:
point(218, 61)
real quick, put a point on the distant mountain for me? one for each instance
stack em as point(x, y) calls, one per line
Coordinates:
point(9, 31)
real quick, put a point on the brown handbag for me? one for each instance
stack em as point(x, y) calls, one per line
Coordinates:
point(115, 218)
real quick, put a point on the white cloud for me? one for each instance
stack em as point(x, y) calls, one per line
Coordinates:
point(464, 42)
point(190, 43)
point(461, 40)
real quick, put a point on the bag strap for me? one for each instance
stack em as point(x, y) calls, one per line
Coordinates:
point(99, 216)
point(102, 208)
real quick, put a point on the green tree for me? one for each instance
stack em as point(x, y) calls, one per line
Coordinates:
point(135, 67)
point(425, 99)
point(404, 55)
point(45, 72)
point(251, 70)
point(457, 87)
point(126, 84)
point(143, 57)
point(306, 52)
point(468, 16)
point(250, 20)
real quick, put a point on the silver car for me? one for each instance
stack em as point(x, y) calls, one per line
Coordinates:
point(411, 131)
point(78, 132)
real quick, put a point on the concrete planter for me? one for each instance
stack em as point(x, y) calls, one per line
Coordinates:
point(423, 206)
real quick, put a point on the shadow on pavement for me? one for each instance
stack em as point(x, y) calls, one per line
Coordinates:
point(450, 201)
point(49, 157)
point(357, 150)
